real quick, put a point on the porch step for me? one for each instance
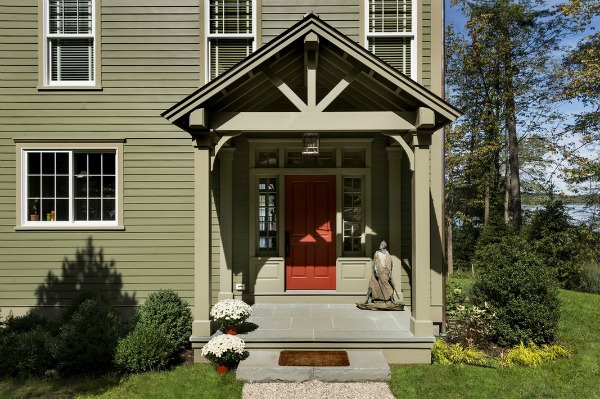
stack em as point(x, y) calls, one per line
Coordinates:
point(365, 365)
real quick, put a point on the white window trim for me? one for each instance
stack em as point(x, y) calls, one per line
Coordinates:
point(22, 222)
point(46, 67)
point(412, 34)
point(210, 36)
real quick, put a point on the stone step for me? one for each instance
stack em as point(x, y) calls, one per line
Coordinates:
point(365, 365)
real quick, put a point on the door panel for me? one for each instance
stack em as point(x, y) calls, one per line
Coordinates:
point(310, 221)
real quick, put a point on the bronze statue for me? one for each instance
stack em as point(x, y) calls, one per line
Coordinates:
point(382, 293)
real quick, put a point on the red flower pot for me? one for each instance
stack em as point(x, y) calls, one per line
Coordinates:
point(222, 369)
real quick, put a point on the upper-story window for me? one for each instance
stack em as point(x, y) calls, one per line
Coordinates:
point(230, 32)
point(391, 33)
point(69, 42)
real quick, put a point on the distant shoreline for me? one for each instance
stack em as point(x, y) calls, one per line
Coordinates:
point(582, 199)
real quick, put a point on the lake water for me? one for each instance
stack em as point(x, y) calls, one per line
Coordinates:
point(580, 213)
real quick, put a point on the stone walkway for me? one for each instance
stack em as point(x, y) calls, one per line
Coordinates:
point(365, 365)
point(318, 390)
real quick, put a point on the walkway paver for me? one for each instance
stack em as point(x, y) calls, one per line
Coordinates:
point(365, 365)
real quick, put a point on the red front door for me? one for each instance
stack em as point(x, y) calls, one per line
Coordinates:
point(310, 232)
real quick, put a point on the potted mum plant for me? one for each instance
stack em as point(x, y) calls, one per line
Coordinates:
point(230, 314)
point(225, 351)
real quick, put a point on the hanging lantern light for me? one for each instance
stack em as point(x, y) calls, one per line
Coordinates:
point(310, 144)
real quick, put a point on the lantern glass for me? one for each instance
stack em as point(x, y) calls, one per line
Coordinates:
point(310, 144)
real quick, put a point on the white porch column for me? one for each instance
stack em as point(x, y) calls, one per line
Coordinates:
point(225, 222)
point(202, 212)
point(420, 320)
point(394, 214)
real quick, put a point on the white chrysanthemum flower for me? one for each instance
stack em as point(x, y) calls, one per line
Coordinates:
point(229, 312)
point(225, 348)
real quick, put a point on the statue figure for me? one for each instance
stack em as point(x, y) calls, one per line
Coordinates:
point(382, 294)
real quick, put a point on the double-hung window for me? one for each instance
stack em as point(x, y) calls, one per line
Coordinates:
point(391, 33)
point(69, 42)
point(230, 32)
point(62, 187)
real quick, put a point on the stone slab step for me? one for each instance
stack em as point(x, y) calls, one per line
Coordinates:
point(365, 365)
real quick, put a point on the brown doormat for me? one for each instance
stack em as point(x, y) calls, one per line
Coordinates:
point(314, 358)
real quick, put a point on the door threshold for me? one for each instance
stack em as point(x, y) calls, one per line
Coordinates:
point(308, 292)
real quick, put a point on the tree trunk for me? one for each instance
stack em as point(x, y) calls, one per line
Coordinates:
point(486, 205)
point(506, 192)
point(449, 254)
point(515, 182)
point(513, 160)
point(513, 143)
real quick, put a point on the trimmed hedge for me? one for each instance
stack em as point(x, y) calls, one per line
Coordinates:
point(144, 349)
point(166, 311)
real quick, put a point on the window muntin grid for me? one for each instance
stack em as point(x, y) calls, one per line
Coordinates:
point(391, 33)
point(267, 214)
point(71, 187)
point(230, 33)
point(69, 42)
point(352, 214)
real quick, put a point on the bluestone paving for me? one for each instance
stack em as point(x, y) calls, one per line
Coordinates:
point(365, 365)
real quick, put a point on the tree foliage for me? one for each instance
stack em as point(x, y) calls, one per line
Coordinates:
point(580, 74)
point(498, 73)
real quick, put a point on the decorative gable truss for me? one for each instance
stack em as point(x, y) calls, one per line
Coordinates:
point(311, 78)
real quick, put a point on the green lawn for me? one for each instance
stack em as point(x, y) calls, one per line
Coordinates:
point(197, 381)
point(576, 377)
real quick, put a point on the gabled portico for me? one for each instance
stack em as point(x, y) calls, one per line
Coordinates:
point(248, 122)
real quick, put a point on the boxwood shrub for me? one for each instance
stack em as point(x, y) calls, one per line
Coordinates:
point(144, 349)
point(168, 312)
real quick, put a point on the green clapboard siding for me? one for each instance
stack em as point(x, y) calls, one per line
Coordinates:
point(150, 60)
point(278, 15)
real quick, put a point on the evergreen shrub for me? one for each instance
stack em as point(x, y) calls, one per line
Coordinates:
point(78, 300)
point(559, 244)
point(144, 349)
point(87, 340)
point(590, 277)
point(166, 311)
point(26, 353)
point(25, 346)
point(519, 290)
point(25, 323)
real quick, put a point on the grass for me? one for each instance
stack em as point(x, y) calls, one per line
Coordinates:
point(572, 378)
point(196, 381)
point(576, 377)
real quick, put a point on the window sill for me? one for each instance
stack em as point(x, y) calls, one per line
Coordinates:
point(69, 88)
point(70, 228)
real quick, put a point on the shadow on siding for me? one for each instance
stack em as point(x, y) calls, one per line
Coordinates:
point(88, 272)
